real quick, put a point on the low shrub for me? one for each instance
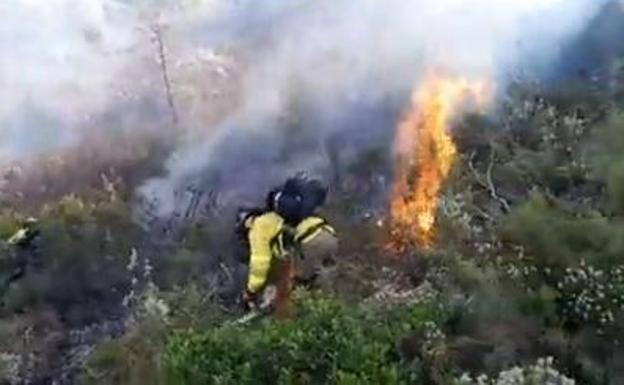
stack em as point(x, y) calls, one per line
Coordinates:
point(327, 342)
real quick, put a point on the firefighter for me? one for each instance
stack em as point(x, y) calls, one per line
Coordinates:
point(316, 248)
point(26, 234)
point(24, 251)
point(287, 242)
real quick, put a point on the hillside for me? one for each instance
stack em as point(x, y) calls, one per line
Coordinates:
point(480, 216)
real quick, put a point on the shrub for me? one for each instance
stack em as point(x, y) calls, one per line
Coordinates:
point(82, 259)
point(327, 342)
point(615, 184)
point(541, 373)
point(593, 296)
point(135, 358)
point(554, 236)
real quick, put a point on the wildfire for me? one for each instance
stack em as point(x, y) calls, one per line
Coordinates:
point(426, 153)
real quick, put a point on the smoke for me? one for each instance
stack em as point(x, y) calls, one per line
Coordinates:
point(262, 86)
point(317, 71)
point(67, 65)
point(60, 60)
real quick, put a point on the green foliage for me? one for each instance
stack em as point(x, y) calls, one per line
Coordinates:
point(555, 237)
point(608, 155)
point(607, 142)
point(327, 342)
point(615, 185)
point(9, 224)
point(80, 260)
point(135, 358)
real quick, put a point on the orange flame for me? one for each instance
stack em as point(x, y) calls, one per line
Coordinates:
point(426, 153)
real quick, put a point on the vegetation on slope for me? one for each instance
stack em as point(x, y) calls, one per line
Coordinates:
point(526, 283)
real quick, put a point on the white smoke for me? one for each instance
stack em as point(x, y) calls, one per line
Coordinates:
point(338, 52)
point(60, 60)
point(64, 60)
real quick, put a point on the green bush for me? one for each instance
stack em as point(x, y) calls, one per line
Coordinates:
point(554, 236)
point(82, 258)
point(615, 185)
point(9, 223)
point(326, 343)
point(134, 358)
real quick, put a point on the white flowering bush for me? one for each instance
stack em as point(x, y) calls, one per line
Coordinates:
point(143, 299)
point(433, 336)
point(153, 305)
point(585, 294)
point(592, 295)
point(541, 373)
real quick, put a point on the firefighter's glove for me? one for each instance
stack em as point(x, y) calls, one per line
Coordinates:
point(251, 300)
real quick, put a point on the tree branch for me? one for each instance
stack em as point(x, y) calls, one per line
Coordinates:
point(504, 204)
point(488, 183)
point(165, 71)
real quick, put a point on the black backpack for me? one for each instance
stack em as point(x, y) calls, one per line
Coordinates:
point(311, 192)
point(297, 199)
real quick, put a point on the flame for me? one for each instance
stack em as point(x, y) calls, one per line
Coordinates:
point(426, 153)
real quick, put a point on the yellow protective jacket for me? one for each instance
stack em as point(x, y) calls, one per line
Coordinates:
point(269, 238)
point(264, 231)
point(311, 227)
point(19, 236)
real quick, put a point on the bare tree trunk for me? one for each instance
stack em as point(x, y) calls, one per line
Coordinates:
point(332, 149)
point(158, 37)
point(488, 183)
